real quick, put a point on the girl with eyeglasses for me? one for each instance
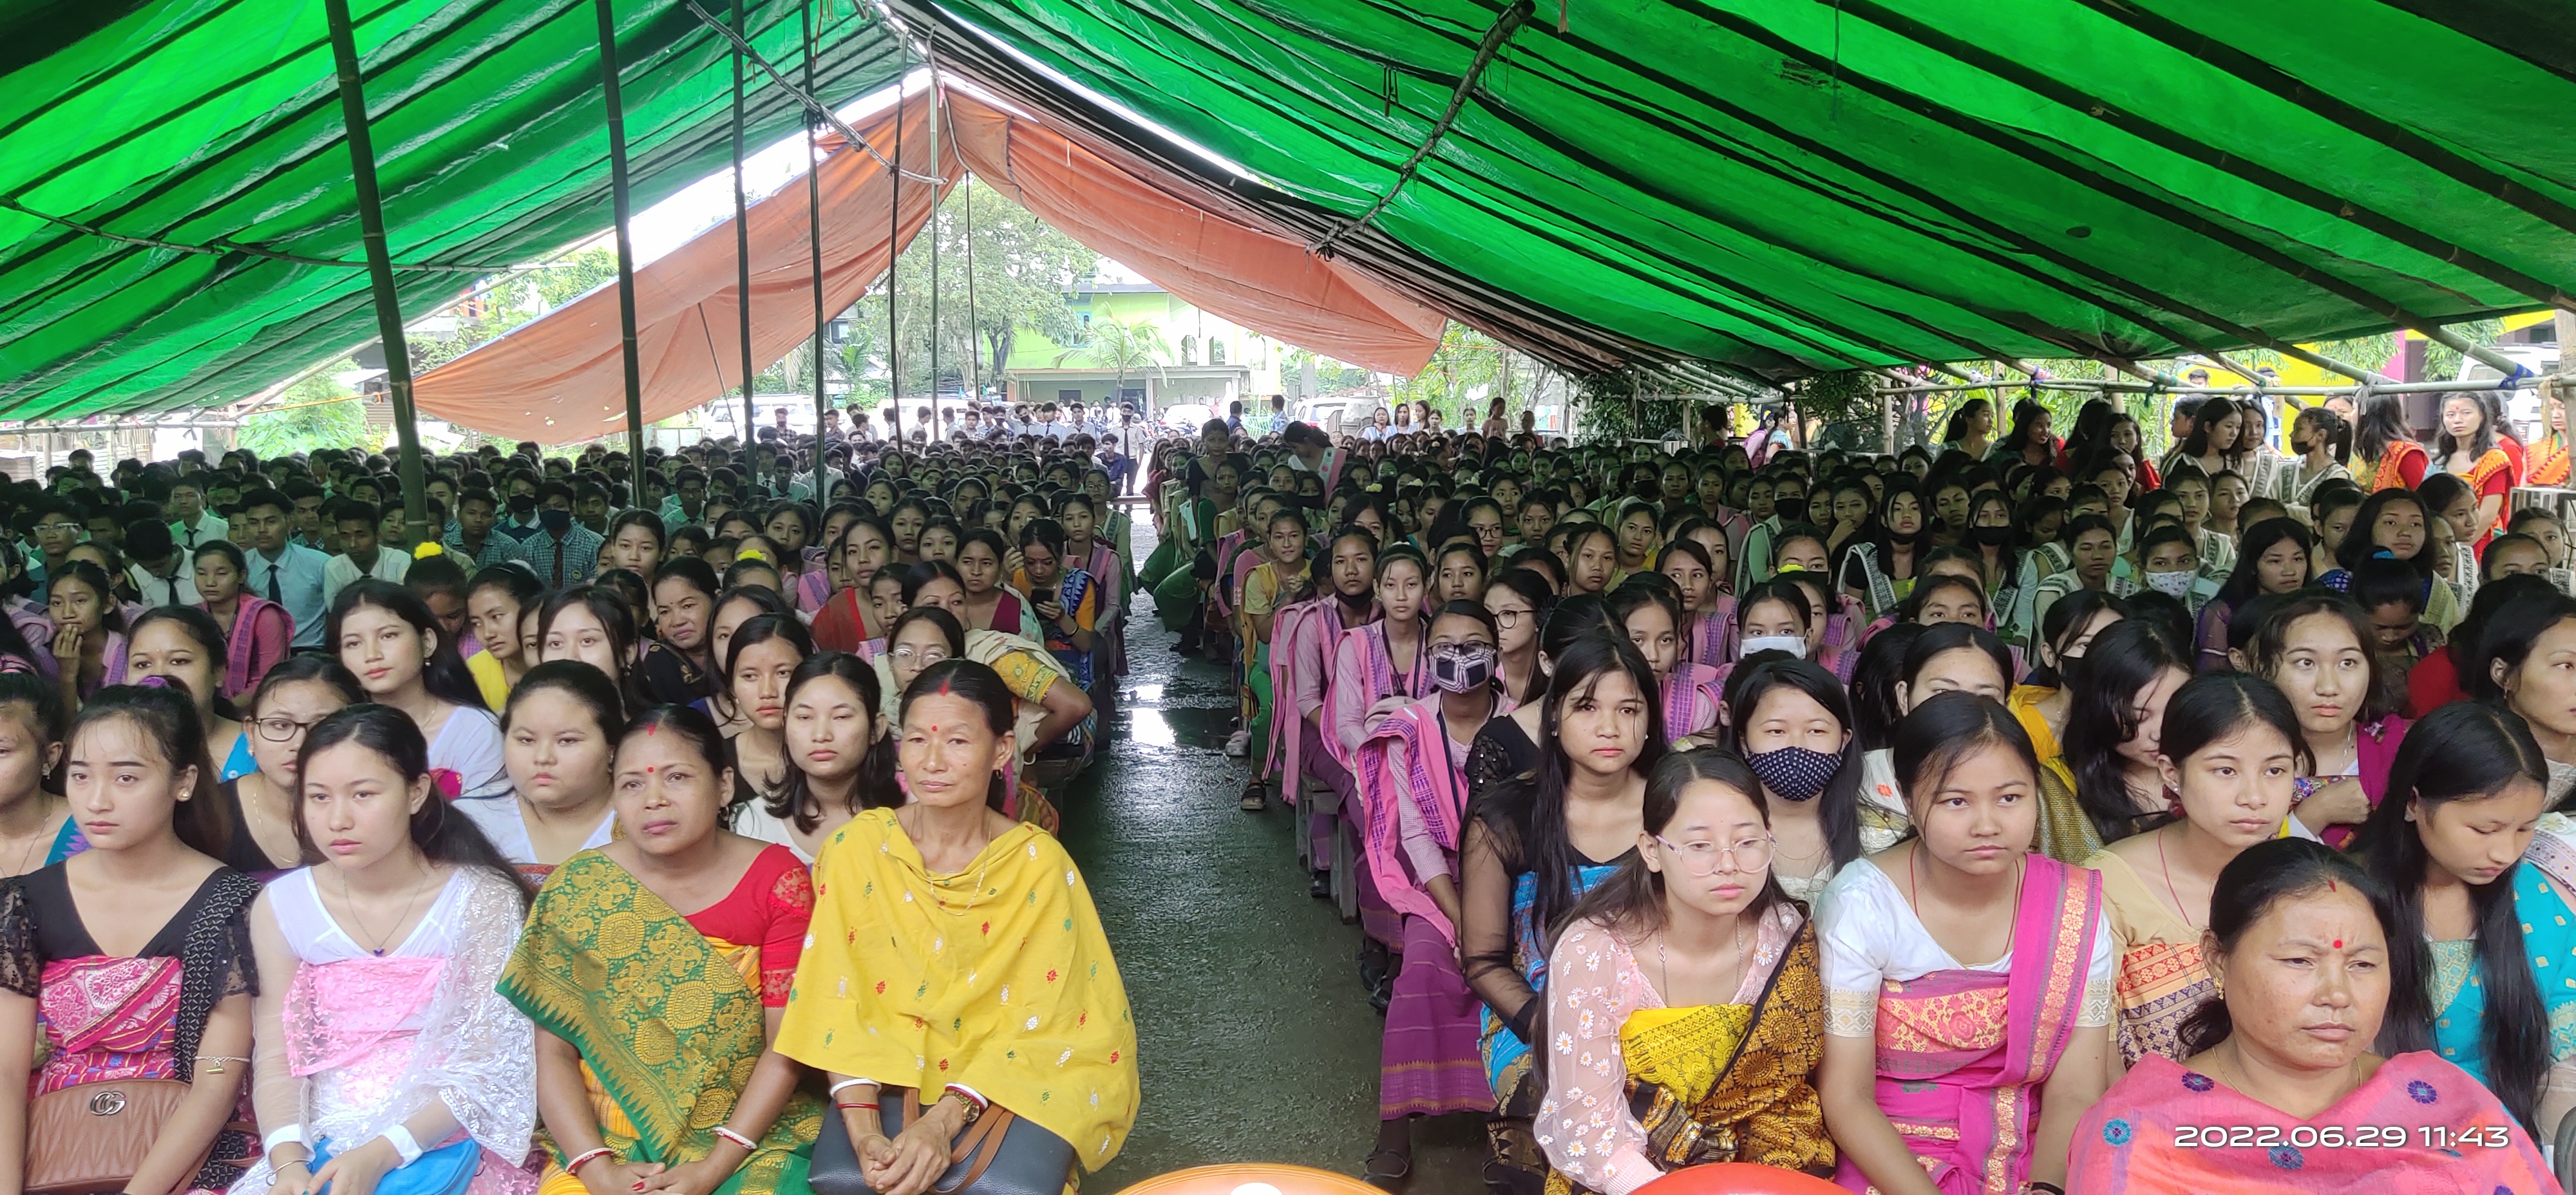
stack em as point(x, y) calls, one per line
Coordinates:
point(1694, 984)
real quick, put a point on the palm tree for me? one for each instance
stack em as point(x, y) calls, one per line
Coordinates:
point(1126, 348)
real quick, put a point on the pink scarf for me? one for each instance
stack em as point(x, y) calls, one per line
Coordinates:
point(112, 1019)
point(1960, 1053)
point(1712, 635)
point(1691, 697)
point(257, 640)
point(1437, 789)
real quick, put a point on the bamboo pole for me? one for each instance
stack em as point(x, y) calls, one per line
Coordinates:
point(380, 268)
point(742, 258)
point(894, 240)
point(623, 210)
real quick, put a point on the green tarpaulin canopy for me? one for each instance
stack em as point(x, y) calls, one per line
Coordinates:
point(1792, 185)
point(1775, 186)
point(214, 123)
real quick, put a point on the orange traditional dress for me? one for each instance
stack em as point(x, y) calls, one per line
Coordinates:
point(2548, 463)
point(2401, 467)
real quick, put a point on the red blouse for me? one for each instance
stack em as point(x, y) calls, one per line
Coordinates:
point(769, 908)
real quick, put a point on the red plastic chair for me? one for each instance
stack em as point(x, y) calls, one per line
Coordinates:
point(1252, 1178)
point(1739, 1178)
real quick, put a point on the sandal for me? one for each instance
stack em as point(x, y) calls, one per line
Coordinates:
point(1387, 1180)
point(1255, 798)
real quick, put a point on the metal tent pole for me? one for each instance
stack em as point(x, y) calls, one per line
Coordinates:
point(814, 241)
point(894, 237)
point(380, 267)
point(935, 198)
point(742, 259)
point(974, 328)
point(625, 247)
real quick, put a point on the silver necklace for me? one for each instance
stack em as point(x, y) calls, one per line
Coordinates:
point(379, 945)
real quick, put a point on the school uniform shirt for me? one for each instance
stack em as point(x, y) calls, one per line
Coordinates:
point(390, 565)
point(293, 580)
point(179, 590)
point(209, 528)
point(497, 548)
point(562, 563)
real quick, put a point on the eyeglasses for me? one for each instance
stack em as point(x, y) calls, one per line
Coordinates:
point(917, 655)
point(279, 730)
point(1708, 858)
point(59, 528)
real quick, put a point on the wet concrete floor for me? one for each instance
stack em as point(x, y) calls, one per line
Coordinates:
point(1257, 1042)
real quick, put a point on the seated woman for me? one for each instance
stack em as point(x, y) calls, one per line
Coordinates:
point(1950, 657)
point(258, 633)
point(2106, 786)
point(840, 758)
point(183, 644)
point(131, 960)
point(2274, 559)
point(1412, 776)
point(653, 1025)
point(2301, 939)
point(382, 1046)
point(402, 657)
point(1646, 610)
point(2317, 647)
point(1948, 1068)
point(1029, 1017)
point(1708, 613)
point(1709, 1055)
point(36, 827)
point(557, 734)
point(494, 600)
point(678, 668)
point(89, 630)
point(2232, 751)
point(760, 657)
point(1792, 724)
point(2482, 932)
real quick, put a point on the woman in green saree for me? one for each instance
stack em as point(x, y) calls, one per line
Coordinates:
point(654, 1065)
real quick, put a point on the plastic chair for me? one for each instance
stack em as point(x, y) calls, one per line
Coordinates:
point(1252, 1178)
point(1739, 1178)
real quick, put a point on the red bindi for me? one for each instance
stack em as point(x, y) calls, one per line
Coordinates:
point(2338, 943)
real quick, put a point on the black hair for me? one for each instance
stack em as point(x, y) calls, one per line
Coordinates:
point(760, 628)
point(444, 674)
point(2252, 884)
point(1925, 586)
point(1873, 684)
point(2507, 638)
point(167, 719)
point(441, 833)
point(1524, 816)
point(874, 787)
point(2381, 581)
point(692, 570)
point(2215, 705)
point(617, 617)
point(2245, 579)
point(2462, 751)
point(692, 725)
point(201, 629)
point(2102, 714)
point(583, 682)
point(1922, 649)
point(1631, 899)
point(1947, 727)
point(1839, 804)
point(917, 576)
point(2066, 618)
point(977, 684)
point(2357, 546)
point(111, 613)
point(2338, 433)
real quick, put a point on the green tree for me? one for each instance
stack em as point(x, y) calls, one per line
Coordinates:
point(1022, 269)
point(317, 412)
point(1123, 347)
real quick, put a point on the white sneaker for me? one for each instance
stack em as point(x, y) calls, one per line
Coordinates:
point(1239, 743)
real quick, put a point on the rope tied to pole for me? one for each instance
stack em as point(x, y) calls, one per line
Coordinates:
point(1504, 26)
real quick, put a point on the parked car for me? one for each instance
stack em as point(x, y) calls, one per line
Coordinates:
point(1186, 418)
point(2521, 406)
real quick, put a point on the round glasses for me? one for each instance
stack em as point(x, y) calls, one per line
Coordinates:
point(1705, 858)
point(279, 730)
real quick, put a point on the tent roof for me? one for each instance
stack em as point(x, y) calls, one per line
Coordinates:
point(217, 123)
point(1776, 186)
point(1784, 186)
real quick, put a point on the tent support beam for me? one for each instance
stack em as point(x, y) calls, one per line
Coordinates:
point(1504, 27)
point(622, 206)
point(380, 267)
point(814, 244)
point(894, 254)
point(742, 258)
point(818, 110)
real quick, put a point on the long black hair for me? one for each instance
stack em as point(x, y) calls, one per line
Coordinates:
point(2357, 545)
point(2102, 714)
point(1838, 806)
point(443, 834)
point(167, 718)
point(1873, 684)
point(2066, 618)
point(2246, 579)
point(874, 787)
point(2219, 705)
point(1525, 815)
point(2267, 651)
point(2507, 639)
point(1946, 728)
point(2462, 751)
point(444, 674)
point(1631, 900)
point(2259, 878)
point(616, 617)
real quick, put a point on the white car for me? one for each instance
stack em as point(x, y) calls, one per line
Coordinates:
point(2521, 406)
point(1187, 418)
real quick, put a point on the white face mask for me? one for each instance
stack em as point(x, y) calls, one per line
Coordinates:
point(2173, 584)
point(1793, 644)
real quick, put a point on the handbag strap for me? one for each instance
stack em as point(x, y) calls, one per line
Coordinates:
point(980, 1143)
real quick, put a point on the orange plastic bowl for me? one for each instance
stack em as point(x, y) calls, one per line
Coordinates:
point(1252, 1178)
point(1739, 1178)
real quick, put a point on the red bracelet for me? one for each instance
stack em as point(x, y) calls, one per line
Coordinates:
point(585, 1158)
point(848, 1107)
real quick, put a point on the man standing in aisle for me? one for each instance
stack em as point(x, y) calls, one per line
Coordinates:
point(287, 573)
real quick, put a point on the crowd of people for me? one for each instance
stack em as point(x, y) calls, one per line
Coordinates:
point(2016, 813)
point(566, 843)
point(2174, 824)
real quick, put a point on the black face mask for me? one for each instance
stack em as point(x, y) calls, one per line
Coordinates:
point(556, 522)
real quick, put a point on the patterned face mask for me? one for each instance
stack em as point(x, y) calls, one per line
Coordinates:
point(2172, 584)
point(1792, 644)
point(1794, 773)
point(1462, 669)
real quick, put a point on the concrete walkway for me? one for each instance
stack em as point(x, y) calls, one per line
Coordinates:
point(1257, 1043)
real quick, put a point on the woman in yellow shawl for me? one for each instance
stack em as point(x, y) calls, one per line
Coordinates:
point(956, 961)
point(654, 1064)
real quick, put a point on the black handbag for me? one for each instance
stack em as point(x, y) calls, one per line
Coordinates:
point(999, 1154)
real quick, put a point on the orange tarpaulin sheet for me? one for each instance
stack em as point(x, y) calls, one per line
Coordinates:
point(1260, 280)
point(562, 377)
